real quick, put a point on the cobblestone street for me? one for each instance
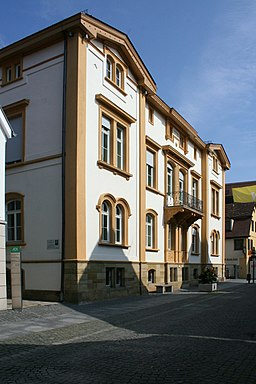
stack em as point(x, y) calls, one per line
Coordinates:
point(188, 337)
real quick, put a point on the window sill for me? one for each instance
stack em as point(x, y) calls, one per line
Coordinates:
point(100, 243)
point(115, 85)
point(116, 171)
point(213, 255)
point(154, 190)
point(215, 171)
point(12, 81)
point(152, 249)
point(215, 216)
point(15, 243)
point(195, 254)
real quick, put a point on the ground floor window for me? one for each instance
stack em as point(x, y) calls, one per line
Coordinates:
point(185, 274)
point(115, 277)
point(151, 276)
point(173, 274)
point(195, 273)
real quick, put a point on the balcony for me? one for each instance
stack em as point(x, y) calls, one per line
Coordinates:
point(183, 208)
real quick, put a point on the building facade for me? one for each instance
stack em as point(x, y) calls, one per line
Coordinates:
point(116, 191)
point(240, 234)
point(5, 134)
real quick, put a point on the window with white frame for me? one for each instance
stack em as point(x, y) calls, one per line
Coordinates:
point(120, 146)
point(15, 148)
point(105, 139)
point(114, 215)
point(195, 240)
point(181, 187)
point(105, 221)
point(215, 238)
point(194, 188)
point(119, 224)
point(115, 71)
point(215, 202)
point(14, 221)
point(114, 143)
point(12, 71)
point(14, 218)
point(151, 230)
point(169, 179)
point(150, 169)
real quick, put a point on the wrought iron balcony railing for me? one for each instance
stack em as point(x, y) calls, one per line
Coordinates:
point(184, 199)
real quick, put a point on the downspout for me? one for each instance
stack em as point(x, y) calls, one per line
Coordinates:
point(63, 153)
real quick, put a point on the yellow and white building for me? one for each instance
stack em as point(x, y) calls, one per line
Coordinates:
point(109, 190)
point(5, 134)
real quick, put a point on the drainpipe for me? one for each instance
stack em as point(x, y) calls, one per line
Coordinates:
point(63, 166)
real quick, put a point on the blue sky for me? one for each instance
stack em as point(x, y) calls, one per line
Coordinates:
point(201, 53)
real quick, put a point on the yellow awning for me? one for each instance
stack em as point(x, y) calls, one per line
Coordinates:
point(244, 194)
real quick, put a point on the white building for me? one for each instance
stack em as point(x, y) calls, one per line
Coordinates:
point(5, 133)
point(115, 190)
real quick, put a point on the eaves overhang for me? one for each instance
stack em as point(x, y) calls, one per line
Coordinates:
point(91, 28)
point(221, 153)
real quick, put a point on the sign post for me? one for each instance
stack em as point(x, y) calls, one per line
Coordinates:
point(16, 278)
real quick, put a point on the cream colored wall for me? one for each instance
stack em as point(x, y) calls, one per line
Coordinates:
point(5, 133)
point(215, 223)
point(40, 182)
point(101, 180)
point(41, 186)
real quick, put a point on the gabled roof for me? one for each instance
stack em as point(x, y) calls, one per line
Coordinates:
point(92, 28)
point(241, 213)
point(240, 210)
point(221, 153)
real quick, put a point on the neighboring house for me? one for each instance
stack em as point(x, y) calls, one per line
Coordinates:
point(240, 233)
point(110, 190)
point(5, 134)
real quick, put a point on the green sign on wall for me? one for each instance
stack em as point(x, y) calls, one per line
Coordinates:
point(15, 249)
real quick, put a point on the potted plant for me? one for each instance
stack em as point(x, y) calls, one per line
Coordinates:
point(208, 280)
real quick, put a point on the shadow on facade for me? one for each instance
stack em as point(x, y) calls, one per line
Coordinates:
point(108, 274)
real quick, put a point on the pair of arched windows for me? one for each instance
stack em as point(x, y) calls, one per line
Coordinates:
point(114, 72)
point(114, 215)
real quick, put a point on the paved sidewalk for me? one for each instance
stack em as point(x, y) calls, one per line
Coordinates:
point(37, 316)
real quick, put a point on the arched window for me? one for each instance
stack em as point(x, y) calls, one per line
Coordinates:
point(105, 222)
point(119, 76)
point(119, 224)
point(215, 237)
point(151, 230)
point(151, 276)
point(115, 70)
point(109, 68)
point(195, 240)
point(14, 218)
point(113, 224)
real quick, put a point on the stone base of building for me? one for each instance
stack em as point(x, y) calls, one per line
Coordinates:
point(3, 294)
point(100, 280)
